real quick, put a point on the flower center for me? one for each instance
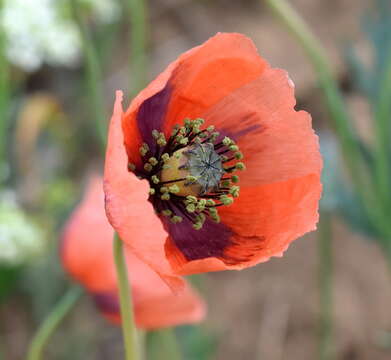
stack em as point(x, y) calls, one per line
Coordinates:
point(191, 173)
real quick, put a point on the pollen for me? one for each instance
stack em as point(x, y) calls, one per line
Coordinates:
point(191, 172)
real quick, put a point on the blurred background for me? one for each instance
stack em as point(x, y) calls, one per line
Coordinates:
point(328, 298)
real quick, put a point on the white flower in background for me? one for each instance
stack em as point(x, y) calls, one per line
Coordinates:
point(20, 239)
point(39, 31)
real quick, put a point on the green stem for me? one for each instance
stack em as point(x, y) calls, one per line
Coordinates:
point(5, 86)
point(128, 327)
point(346, 135)
point(316, 54)
point(93, 74)
point(136, 10)
point(325, 291)
point(51, 323)
point(383, 130)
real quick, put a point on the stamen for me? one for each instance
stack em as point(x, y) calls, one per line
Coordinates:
point(187, 172)
point(144, 149)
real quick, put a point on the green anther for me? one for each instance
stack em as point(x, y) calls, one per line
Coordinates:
point(215, 218)
point(152, 191)
point(240, 166)
point(144, 149)
point(167, 212)
point(191, 178)
point(165, 196)
point(191, 199)
point(212, 211)
point(227, 141)
point(210, 128)
point(235, 179)
point(238, 155)
point(147, 167)
point(223, 158)
point(164, 189)
point(214, 136)
point(184, 141)
point(131, 167)
point(155, 179)
point(234, 191)
point(176, 219)
point(210, 202)
point(182, 130)
point(174, 189)
point(226, 200)
point(155, 134)
point(203, 135)
point(190, 208)
point(161, 141)
point(153, 161)
point(201, 205)
point(200, 217)
point(197, 139)
point(196, 129)
point(197, 226)
point(234, 147)
point(187, 122)
point(165, 157)
point(199, 121)
point(225, 183)
point(177, 155)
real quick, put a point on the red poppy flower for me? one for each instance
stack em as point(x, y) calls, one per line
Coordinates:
point(217, 117)
point(87, 255)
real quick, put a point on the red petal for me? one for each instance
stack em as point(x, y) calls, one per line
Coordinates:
point(127, 205)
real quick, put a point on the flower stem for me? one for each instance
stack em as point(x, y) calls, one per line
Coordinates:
point(136, 10)
point(5, 86)
point(128, 327)
point(51, 323)
point(316, 54)
point(382, 130)
point(93, 74)
point(325, 288)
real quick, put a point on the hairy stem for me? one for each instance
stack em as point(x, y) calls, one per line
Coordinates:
point(51, 323)
point(128, 326)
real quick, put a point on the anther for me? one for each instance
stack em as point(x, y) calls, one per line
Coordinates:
point(153, 161)
point(167, 212)
point(144, 149)
point(147, 167)
point(155, 179)
point(176, 219)
point(165, 196)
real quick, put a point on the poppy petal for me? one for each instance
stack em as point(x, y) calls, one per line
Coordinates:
point(277, 141)
point(155, 305)
point(87, 254)
point(212, 71)
point(127, 205)
point(81, 248)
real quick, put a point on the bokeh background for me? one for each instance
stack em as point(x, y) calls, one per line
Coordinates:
point(49, 145)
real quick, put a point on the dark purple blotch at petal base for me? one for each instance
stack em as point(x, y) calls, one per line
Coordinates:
point(107, 302)
point(151, 115)
point(210, 241)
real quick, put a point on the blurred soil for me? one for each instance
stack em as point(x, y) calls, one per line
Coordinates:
point(272, 309)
